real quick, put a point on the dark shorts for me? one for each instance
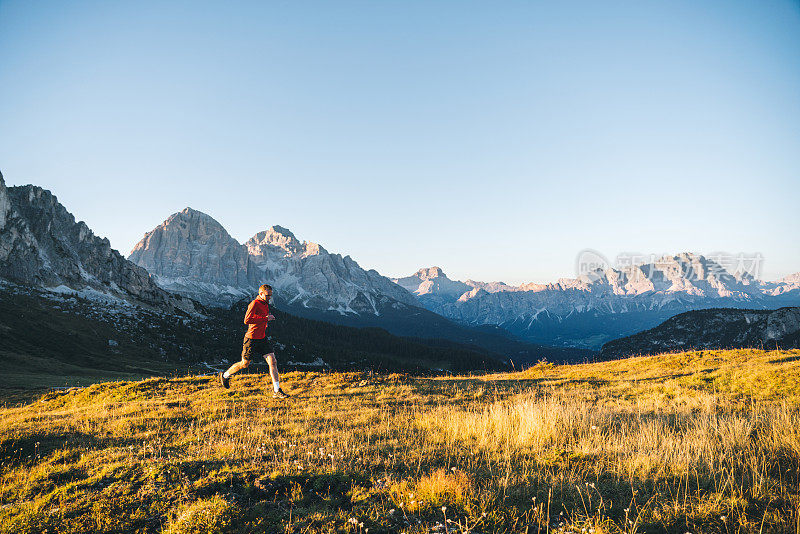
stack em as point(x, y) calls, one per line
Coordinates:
point(255, 347)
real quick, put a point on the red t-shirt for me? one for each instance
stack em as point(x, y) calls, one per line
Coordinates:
point(256, 319)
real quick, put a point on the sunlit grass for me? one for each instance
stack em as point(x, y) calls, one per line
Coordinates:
point(691, 442)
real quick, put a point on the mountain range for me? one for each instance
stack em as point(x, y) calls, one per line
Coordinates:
point(58, 281)
point(602, 305)
point(44, 249)
point(190, 260)
point(41, 244)
point(192, 254)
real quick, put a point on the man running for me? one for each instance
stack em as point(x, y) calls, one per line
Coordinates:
point(256, 342)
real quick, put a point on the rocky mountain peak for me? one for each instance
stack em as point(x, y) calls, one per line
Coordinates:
point(690, 265)
point(490, 287)
point(48, 219)
point(431, 282)
point(430, 273)
point(41, 244)
point(220, 271)
point(192, 224)
point(791, 279)
point(280, 230)
point(275, 236)
point(313, 249)
point(32, 198)
point(680, 273)
point(191, 246)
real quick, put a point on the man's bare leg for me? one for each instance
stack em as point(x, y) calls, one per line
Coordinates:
point(273, 371)
point(236, 367)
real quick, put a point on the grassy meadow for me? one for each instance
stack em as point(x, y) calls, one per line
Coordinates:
point(691, 442)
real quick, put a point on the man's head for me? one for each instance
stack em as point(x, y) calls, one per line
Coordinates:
point(265, 292)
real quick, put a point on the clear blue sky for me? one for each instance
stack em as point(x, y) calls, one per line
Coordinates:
point(494, 139)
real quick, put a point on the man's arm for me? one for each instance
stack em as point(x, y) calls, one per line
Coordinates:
point(250, 317)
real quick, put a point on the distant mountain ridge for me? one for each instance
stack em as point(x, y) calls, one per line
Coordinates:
point(308, 275)
point(432, 287)
point(601, 305)
point(41, 244)
point(713, 329)
point(193, 254)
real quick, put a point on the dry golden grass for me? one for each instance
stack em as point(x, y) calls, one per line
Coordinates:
point(692, 442)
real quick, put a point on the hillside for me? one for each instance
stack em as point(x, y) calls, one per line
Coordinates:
point(62, 339)
point(718, 328)
point(689, 442)
point(430, 328)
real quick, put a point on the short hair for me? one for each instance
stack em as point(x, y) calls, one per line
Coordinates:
point(265, 287)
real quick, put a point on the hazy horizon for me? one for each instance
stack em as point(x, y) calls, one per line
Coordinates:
point(493, 142)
